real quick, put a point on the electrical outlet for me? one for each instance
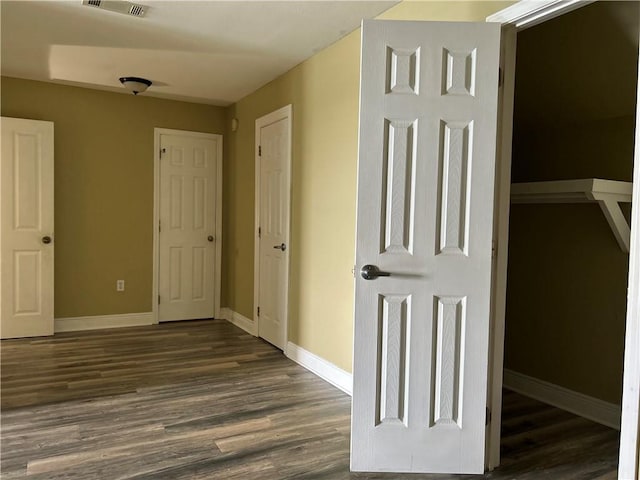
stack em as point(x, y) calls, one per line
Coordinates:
point(119, 285)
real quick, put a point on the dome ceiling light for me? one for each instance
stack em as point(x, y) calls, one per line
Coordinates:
point(135, 85)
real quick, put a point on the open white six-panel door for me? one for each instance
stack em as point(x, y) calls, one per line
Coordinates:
point(429, 93)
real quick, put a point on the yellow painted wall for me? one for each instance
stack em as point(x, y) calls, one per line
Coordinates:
point(103, 187)
point(324, 93)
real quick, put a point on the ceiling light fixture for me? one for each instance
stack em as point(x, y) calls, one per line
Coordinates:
point(135, 85)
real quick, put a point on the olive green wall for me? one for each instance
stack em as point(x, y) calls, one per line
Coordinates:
point(103, 187)
point(324, 94)
point(567, 276)
point(566, 299)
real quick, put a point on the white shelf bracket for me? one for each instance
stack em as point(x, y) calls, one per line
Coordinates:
point(617, 222)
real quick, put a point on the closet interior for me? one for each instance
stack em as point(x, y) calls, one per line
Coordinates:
point(573, 147)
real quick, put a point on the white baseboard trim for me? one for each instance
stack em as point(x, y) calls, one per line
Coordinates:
point(97, 322)
point(321, 367)
point(592, 408)
point(240, 321)
point(315, 364)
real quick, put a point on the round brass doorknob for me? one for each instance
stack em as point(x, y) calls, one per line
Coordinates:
point(46, 239)
point(210, 238)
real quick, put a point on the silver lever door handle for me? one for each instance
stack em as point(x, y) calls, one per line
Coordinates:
point(371, 272)
point(282, 247)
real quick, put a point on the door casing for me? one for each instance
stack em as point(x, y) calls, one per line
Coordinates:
point(522, 15)
point(285, 112)
point(157, 132)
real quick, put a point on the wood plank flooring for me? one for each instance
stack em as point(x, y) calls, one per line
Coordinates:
point(205, 400)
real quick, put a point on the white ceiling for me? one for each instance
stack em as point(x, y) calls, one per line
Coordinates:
point(212, 52)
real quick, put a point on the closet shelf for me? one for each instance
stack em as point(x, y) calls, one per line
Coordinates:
point(608, 193)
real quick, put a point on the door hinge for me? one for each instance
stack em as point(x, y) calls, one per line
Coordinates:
point(158, 299)
point(487, 420)
point(162, 150)
point(259, 150)
point(159, 226)
point(258, 311)
point(494, 249)
point(500, 77)
point(259, 232)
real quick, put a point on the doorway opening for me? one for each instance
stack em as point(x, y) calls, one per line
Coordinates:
point(574, 121)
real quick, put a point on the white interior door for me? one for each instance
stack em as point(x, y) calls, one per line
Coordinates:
point(274, 147)
point(26, 240)
point(425, 212)
point(189, 169)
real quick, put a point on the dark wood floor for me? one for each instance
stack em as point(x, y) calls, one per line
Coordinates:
point(204, 400)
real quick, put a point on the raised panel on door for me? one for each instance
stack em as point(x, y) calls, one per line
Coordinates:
point(200, 206)
point(425, 209)
point(447, 345)
point(398, 187)
point(394, 329)
point(270, 312)
point(198, 273)
point(454, 165)
point(188, 169)
point(176, 203)
point(26, 238)
point(175, 274)
point(27, 284)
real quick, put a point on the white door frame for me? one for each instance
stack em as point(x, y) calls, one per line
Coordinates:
point(157, 132)
point(629, 461)
point(281, 113)
point(524, 14)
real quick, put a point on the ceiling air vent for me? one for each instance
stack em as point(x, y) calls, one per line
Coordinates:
point(117, 6)
point(136, 10)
